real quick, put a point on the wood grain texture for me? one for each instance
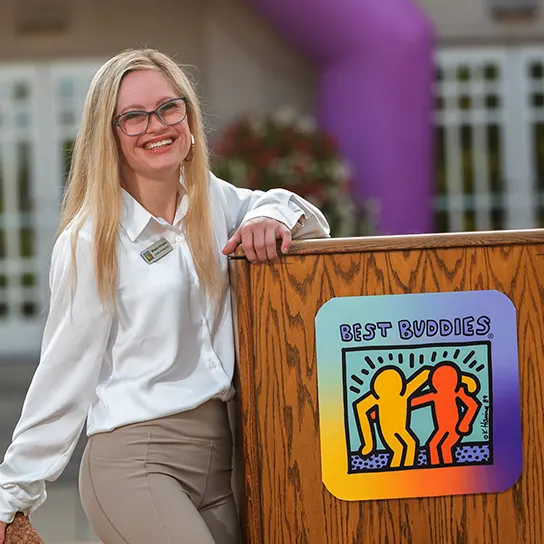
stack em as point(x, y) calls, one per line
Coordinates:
point(410, 242)
point(247, 461)
point(278, 380)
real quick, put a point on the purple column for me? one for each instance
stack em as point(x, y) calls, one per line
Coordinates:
point(375, 95)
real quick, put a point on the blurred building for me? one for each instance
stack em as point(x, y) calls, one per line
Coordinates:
point(489, 111)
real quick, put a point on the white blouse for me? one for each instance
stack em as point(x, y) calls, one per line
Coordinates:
point(164, 350)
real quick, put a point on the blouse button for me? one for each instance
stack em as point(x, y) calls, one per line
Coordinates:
point(179, 239)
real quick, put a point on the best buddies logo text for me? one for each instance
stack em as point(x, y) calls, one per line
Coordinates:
point(406, 329)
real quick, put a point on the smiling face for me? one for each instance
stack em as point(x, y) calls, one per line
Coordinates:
point(158, 153)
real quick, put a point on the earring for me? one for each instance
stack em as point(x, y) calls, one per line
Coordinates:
point(191, 153)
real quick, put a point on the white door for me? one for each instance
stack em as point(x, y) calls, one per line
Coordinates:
point(489, 118)
point(40, 105)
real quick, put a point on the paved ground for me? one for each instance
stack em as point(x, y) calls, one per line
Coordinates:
point(61, 520)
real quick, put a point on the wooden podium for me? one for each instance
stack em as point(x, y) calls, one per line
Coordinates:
point(283, 499)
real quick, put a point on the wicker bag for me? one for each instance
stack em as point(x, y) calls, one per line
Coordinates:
point(20, 531)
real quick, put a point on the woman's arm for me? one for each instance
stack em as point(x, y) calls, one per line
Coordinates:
point(57, 402)
point(296, 213)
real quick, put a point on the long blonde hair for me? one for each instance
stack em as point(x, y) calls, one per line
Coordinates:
point(94, 181)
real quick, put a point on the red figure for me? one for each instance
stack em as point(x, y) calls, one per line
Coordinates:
point(448, 387)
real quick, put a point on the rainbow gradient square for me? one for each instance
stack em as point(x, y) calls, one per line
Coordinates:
point(418, 395)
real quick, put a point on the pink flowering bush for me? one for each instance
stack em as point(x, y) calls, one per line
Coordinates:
point(283, 151)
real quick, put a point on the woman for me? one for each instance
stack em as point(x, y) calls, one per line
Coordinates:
point(139, 336)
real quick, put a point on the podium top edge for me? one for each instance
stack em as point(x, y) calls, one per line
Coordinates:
point(407, 242)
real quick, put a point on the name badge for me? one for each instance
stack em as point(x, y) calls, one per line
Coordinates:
point(157, 251)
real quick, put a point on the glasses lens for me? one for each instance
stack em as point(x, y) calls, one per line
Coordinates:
point(173, 112)
point(133, 123)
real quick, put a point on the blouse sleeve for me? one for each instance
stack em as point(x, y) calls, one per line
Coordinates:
point(61, 391)
point(299, 215)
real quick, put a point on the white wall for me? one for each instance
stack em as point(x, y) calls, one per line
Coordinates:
point(473, 22)
point(248, 66)
point(242, 64)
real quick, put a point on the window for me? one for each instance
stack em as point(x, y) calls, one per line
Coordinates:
point(513, 7)
point(40, 107)
point(489, 125)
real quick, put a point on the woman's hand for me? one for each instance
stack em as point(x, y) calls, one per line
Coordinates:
point(3, 527)
point(258, 238)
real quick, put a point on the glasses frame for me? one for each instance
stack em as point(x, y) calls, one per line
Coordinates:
point(116, 120)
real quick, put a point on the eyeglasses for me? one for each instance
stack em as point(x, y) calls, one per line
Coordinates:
point(134, 123)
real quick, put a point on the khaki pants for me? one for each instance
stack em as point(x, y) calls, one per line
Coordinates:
point(165, 481)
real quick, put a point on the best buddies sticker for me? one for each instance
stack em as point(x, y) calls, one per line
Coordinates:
point(418, 395)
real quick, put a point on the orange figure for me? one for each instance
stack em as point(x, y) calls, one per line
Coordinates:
point(390, 394)
point(449, 387)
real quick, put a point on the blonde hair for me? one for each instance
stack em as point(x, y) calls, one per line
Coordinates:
point(94, 182)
